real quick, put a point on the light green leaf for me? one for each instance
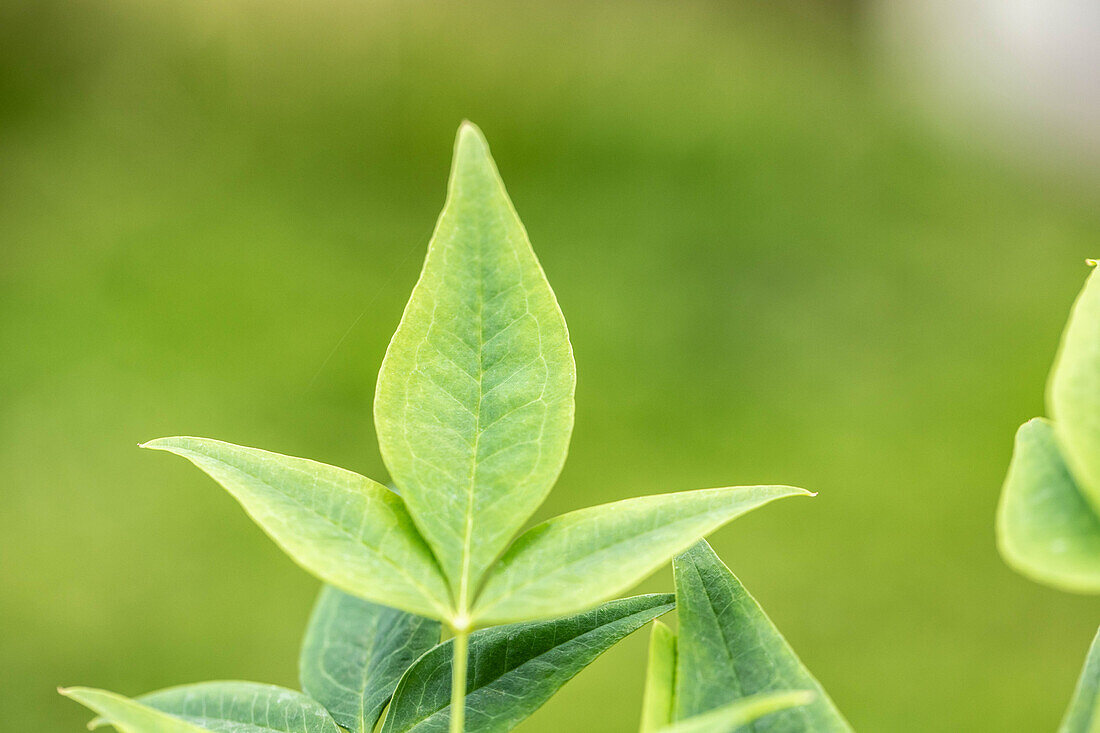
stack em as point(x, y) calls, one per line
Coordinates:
point(728, 649)
point(1074, 391)
point(474, 405)
point(243, 707)
point(1083, 715)
point(344, 528)
point(1045, 528)
point(125, 714)
point(660, 680)
point(355, 652)
point(581, 558)
point(514, 669)
point(742, 712)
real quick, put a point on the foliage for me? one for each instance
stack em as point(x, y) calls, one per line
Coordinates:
point(1048, 526)
point(727, 659)
point(474, 410)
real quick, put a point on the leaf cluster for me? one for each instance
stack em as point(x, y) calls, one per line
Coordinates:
point(474, 411)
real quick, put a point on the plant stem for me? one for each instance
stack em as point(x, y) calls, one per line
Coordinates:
point(458, 681)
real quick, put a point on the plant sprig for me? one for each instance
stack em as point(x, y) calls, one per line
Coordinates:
point(474, 411)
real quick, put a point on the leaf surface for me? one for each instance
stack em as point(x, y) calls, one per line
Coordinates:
point(1074, 391)
point(354, 653)
point(1045, 527)
point(126, 715)
point(1083, 714)
point(342, 527)
point(660, 679)
point(746, 711)
point(514, 669)
point(728, 649)
point(243, 707)
point(578, 559)
point(474, 406)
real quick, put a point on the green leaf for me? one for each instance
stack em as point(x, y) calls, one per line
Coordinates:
point(728, 649)
point(1045, 528)
point(474, 405)
point(126, 715)
point(660, 679)
point(1083, 715)
point(1074, 391)
point(243, 707)
point(514, 669)
point(355, 652)
point(578, 559)
point(745, 711)
point(344, 528)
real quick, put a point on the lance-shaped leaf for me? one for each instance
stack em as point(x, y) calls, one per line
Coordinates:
point(660, 680)
point(1083, 714)
point(1045, 528)
point(1074, 391)
point(728, 649)
point(126, 715)
point(354, 653)
point(578, 559)
point(514, 669)
point(474, 405)
point(344, 528)
point(746, 711)
point(227, 707)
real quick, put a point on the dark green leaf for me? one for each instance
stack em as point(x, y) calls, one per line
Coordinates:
point(354, 653)
point(514, 669)
point(728, 649)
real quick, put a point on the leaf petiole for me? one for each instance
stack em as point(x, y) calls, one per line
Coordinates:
point(458, 677)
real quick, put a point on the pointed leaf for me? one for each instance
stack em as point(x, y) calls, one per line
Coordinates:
point(728, 649)
point(1083, 715)
point(355, 652)
point(474, 405)
point(1045, 528)
point(1074, 391)
point(344, 528)
point(125, 714)
point(243, 707)
point(578, 559)
point(660, 679)
point(514, 669)
point(742, 712)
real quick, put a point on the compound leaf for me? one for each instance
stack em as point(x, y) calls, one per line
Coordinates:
point(474, 405)
point(342, 527)
point(1045, 527)
point(514, 669)
point(745, 711)
point(1074, 391)
point(660, 680)
point(728, 650)
point(354, 653)
point(578, 559)
point(1083, 715)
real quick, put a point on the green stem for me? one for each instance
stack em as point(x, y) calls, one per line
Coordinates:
point(458, 681)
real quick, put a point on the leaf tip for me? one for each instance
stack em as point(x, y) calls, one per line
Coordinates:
point(470, 143)
point(1092, 263)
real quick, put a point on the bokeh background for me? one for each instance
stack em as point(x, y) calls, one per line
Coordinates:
point(822, 243)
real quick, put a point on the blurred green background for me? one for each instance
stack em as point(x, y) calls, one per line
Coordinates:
point(775, 269)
